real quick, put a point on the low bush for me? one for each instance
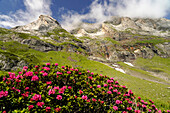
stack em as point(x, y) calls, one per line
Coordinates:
point(49, 88)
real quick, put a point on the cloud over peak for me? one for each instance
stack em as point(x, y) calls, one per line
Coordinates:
point(101, 10)
point(33, 8)
point(98, 11)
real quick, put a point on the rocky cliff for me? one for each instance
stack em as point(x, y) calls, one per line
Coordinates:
point(43, 24)
point(117, 39)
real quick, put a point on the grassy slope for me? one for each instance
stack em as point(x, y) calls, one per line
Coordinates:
point(138, 72)
point(146, 89)
point(156, 64)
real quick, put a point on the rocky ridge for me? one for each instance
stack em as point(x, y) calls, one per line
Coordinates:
point(43, 24)
point(118, 39)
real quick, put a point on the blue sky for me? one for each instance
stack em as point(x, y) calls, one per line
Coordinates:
point(71, 12)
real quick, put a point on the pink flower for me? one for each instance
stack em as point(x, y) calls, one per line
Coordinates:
point(130, 102)
point(144, 106)
point(72, 69)
point(51, 91)
point(98, 86)
point(63, 67)
point(25, 67)
point(92, 73)
point(90, 77)
point(69, 87)
point(112, 78)
point(46, 68)
point(40, 104)
point(124, 112)
point(102, 102)
point(36, 66)
point(56, 87)
point(30, 74)
point(109, 92)
point(153, 106)
point(18, 90)
point(61, 91)
point(110, 87)
point(118, 93)
point(168, 111)
point(59, 97)
point(45, 74)
point(12, 76)
point(115, 86)
point(84, 97)
point(59, 73)
point(1, 94)
point(19, 77)
point(4, 78)
point(108, 81)
point(68, 72)
point(88, 100)
point(137, 111)
point(159, 111)
point(94, 100)
point(48, 82)
point(80, 91)
point(48, 64)
point(115, 90)
point(5, 94)
point(30, 107)
point(142, 101)
point(123, 86)
point(129, 108)
point(130, 92)
point(151, 101)
point(116, 82)
point(76, 70)
point(149, 110)
point(145, 103)
point(115, 108)
point(48, 109)
point(64, 87)
point(20, 73)
point(36, 97)
point(58, 109)
point(105, 85)
point(118, 102)
point(25, 94)
point(56, 64)
point(139, 98)
point(35, 78)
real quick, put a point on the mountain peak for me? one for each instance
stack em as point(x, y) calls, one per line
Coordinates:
point(43, 24)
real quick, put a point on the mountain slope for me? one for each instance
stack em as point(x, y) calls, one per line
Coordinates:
point(113, 42)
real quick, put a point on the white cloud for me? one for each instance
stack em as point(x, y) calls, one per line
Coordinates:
point(99, 11)
point(34, 8)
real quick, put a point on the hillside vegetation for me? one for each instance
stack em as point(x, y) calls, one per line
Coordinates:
point(93, 51)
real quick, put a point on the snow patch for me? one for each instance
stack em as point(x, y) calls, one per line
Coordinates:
point(119, 69)
point(96, 34)
point(78, 35)
point(92, 35)
point(128, 63)
point(115, 65)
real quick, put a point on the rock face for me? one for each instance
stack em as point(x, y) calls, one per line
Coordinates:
point(43, 24)
point(120, 27)
point(10, 61)
point(118, 39)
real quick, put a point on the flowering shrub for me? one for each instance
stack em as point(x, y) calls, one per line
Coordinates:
point(49, 88)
